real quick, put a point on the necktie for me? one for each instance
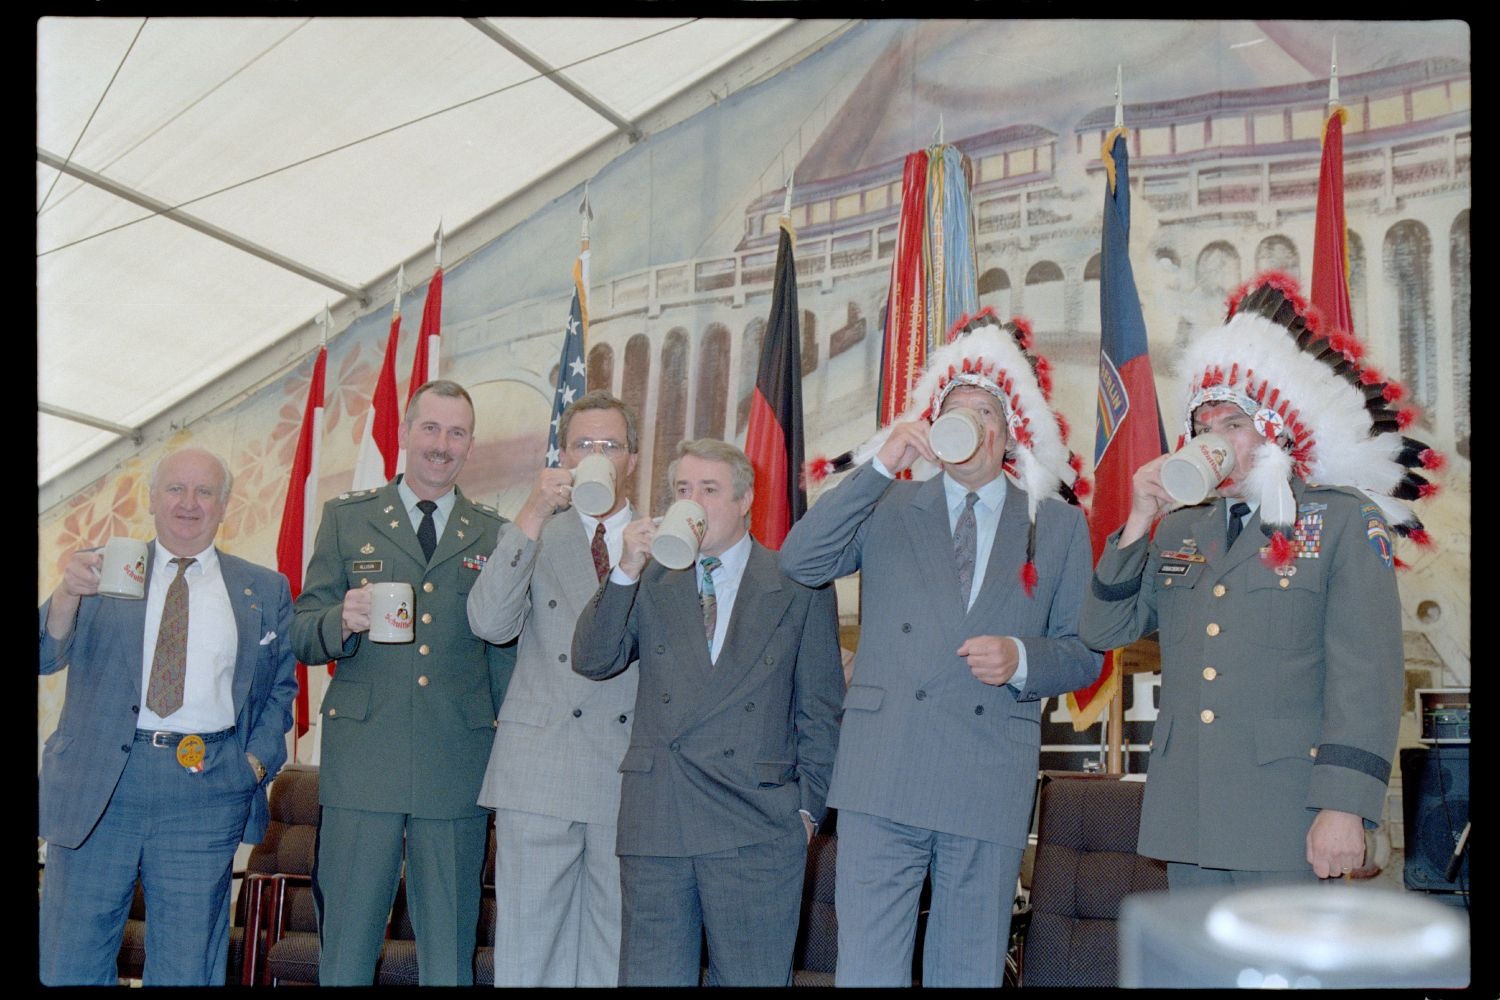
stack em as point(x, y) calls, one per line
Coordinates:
point(710, 602)
point(169, 665)
point(1237, 511)
point(965, 547)
point(427, 530)
point(600, 552)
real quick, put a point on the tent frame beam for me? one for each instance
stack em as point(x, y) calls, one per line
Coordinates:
point(557, 76)
point(177, 215)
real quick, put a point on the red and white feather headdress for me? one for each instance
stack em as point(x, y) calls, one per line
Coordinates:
point(1327, 417)
point(996, 357)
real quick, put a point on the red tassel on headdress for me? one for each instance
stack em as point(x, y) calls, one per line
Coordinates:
point(1023, 331)
point(1427, 490)
point(817, 469)
point(1393, 392)
point(1420, 537)
point(1081, 487)
point(1283, 283)
point(1028, 578)
point(1278, 553)
point(1062, 427)
point(1401, 563)
point(1431, 459)
point(1405, 418)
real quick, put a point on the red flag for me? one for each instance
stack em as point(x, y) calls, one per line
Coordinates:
point(1129, 432)
point(380, 445)
point(424, 367)
point(1330, 263)
point(773, 442)
point(904, 350)
point(294, 543)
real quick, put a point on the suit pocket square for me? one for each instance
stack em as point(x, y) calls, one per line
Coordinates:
point(268, 638)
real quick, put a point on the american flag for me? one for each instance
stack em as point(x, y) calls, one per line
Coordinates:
point(572, 373)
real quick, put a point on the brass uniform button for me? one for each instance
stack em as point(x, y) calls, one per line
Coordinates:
point(423, 649)
point(427, 587)
point(1312, 751)
point(1209, 673)
point(423, 681)
point(1219, 590)
point(1207, 715)
point(1167, 582)
point(1283, 583)
point(427, 618)
point(332, 712)
point(1213, 628)
point(363, 580)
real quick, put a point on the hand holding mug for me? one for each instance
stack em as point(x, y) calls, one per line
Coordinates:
point(908, 441)
point(356, 614)
point(637, 539)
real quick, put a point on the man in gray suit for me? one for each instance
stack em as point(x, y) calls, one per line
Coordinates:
point(1276, 604)
point(554, 772)
point(736, 724)
point(176, 714)
point(970, 589)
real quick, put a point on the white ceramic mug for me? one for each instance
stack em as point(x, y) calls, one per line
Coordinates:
point(1193, 471)
point(393, 612)
point(594, 486)
point(954, 436)
point(679, 535)
point(123, 573)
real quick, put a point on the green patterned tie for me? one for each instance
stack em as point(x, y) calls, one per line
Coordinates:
point(169, 665)
point(710, 602)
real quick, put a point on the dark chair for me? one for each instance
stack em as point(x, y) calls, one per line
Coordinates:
point(817, 948)
point(1085, 866)
point(277, 896)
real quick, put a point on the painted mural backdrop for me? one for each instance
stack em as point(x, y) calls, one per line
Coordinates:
point(1225, 120)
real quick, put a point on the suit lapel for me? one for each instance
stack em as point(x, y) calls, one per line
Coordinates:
point(932, 543)
point(458, 534)
point(129, 622)
point(247, 601)
point(396, 526)
point(567, 547)
point(758, 607)
point(1002, 579)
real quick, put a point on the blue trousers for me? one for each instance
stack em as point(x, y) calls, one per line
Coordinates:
point(178, 831)
point(747, 900)
point(881, 865)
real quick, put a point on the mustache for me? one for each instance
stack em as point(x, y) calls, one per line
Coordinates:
point(438, 455)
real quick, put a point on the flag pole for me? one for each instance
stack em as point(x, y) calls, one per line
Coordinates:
point(1333, 76)
point(1116, 725)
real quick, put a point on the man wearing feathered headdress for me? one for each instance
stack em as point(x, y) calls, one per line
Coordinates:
point(971, 584)
point(1275, 601)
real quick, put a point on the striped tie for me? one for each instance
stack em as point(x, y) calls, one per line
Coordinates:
point(169, 665)
point(966, 547)
point(710, 602)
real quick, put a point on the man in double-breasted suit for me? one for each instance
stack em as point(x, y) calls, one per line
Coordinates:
point(406, 726)
point(147, 775)
point(554, 772)
point(735, 728)
point(937, 762)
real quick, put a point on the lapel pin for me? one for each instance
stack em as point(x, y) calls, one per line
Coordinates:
point(366, 549)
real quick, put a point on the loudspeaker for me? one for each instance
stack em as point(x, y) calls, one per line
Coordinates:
point(1435, 807)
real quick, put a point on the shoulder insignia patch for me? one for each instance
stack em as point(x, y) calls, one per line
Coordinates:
point(1377, 533)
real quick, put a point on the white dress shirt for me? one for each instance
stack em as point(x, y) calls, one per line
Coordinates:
point(208, 685)
point(445, 503)
point(726, 588)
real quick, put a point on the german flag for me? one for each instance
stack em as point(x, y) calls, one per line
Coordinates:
point(773, 441)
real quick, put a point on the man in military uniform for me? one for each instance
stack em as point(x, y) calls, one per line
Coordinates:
point(1277, 609)
point(406, 727)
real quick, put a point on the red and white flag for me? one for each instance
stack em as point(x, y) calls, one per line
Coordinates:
point(380, 444)
point(299, 516)
point(424, 367)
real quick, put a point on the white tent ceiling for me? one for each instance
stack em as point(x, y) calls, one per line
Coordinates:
point(205, 186)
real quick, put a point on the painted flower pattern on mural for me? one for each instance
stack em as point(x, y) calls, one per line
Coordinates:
point(117, 505)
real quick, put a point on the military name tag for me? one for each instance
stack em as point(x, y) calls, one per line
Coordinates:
point(368, 565)
point(190, 752)
point(1172, 569)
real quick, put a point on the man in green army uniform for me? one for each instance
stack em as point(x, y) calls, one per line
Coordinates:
point(407, 727)
point(1276, 604)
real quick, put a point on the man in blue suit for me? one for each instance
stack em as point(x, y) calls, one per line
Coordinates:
point(175, 716)
point(970, 588)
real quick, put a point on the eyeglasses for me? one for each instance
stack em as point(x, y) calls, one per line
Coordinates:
point(604, 446)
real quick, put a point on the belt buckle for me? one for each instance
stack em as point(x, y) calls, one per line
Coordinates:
point(162, 734)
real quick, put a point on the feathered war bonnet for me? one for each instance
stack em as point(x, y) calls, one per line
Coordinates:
point(995, 357)
point(1327, 418)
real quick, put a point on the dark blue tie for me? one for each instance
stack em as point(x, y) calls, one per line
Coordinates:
point(1237, 511)
point(427, 530)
